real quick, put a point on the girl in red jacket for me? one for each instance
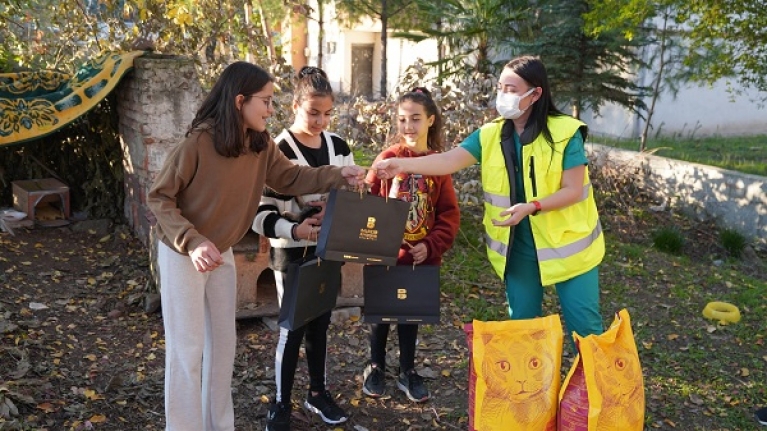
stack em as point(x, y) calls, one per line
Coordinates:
point(432, 224)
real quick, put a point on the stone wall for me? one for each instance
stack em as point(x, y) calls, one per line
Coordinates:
point(156, 104)
point(735, 200)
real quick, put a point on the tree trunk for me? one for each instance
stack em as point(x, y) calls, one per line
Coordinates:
point(249, 27)
point(482, 56)
point(384, 37)
point(267, 33)
point(321, 25)
point(440, 53)
point(656, 85)
point(578, 90)
point(577, 109)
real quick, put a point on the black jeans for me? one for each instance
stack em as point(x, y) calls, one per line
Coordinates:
point(407, 335)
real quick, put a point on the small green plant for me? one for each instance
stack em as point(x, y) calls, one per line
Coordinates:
point(632, 251)
point(733, 242)
point(668, 240)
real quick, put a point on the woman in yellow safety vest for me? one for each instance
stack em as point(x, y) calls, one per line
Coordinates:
point(541, 222)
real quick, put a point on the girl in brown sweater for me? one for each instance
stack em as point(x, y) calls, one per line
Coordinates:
point(204, 200)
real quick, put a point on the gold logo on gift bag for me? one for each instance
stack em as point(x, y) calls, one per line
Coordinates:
point(401, 293)
point(369, 232)
point(322, 288)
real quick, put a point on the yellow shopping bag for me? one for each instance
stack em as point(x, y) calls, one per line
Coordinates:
point(517, 365)
point(604, 390)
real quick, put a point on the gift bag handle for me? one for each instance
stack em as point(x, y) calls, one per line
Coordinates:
point(316, 239)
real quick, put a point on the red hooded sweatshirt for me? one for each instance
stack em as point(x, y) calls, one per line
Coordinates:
point(434, 216)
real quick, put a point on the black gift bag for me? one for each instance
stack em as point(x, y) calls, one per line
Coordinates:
point(311, 290)
point(362, 228)
point(401, 294)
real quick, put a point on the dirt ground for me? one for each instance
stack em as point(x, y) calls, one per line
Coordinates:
point(79, 352)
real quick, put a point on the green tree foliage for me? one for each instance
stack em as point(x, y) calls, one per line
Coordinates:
point(586, 71)
point(475, 32)
point(735, 32)
point(56, 35)
point(666, 47)
point(52, 34)
point(86, 155)
point(725, 38)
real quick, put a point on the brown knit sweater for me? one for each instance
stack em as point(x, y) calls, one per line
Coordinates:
point(200, 195)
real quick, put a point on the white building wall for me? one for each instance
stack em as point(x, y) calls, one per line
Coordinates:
point(401, 53)
point(332, 60)
point(404, 53)
point(696, 111)
point(710, 111)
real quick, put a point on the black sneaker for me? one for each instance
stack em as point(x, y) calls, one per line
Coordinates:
point(761, 416)
point(278, 418)
point(324, 405)
point(374, 381)
point(412, 385)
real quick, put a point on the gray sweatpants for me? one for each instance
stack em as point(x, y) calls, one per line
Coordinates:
point(198, 314)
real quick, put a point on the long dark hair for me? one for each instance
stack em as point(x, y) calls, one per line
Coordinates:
point(220, 115)
point(420, 95)
point(532, 70)
point(311, 82)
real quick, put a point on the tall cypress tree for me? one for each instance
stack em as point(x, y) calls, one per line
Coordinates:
point(585, 71)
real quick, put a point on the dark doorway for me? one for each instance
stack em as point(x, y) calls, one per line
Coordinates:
point(362, 70)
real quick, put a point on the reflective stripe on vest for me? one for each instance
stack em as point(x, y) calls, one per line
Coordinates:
point(570, 249)
point(497, 200)
point(496, 246)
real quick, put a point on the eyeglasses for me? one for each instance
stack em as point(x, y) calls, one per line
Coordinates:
point(267, 100)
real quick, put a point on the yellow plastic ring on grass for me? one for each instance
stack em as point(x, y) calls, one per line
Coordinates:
point(722, 311)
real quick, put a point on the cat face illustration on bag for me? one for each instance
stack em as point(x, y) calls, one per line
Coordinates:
point(617, 377)
point(518, 384)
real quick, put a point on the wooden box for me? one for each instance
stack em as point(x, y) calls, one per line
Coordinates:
point(31, 196)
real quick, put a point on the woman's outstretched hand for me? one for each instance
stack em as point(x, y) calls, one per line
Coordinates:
point(388, 168)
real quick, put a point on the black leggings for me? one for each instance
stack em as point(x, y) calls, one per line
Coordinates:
point(286, 359)
point(407, 335)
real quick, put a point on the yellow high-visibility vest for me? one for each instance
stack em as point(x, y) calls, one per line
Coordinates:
point(568, 241)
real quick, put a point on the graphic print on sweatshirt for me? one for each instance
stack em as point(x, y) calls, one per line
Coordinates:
point(416, 190)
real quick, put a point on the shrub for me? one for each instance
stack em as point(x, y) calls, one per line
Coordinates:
point(733, 242)
point(668, 240)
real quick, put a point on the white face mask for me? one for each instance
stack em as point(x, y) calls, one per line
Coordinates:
point(507, 104)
